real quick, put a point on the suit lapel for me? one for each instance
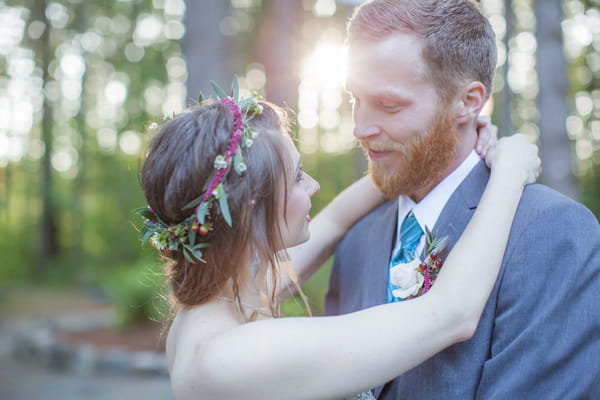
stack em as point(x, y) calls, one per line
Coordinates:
point(380, 242)
point(462, 204)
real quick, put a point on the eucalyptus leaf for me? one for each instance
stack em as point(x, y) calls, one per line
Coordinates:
point(144, 213)
point(220, 93)
point(200, 246)
point(137, 210)
point(225, 208)
point(201, 213)
point(146, 236)
point(192, 235)
point(200, 97)
point(428, 232)
point(237, 159)
point(219, 190)
point(148, 225)
point(244, 103)
point(193, 203)
point(198, 255)
point(236, 89)
point(187, 255)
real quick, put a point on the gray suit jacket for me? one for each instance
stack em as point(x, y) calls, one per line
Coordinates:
point(539, 335)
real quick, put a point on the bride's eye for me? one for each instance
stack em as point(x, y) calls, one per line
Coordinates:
point(299, 176)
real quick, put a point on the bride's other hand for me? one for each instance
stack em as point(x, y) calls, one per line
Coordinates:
point(487, 135)
point(516, 156)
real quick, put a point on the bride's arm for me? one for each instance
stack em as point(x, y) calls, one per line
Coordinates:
point(332, 357)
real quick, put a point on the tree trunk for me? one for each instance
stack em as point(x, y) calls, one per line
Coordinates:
point(79, 188)
point(206, 49)
point(552, 99)
point(48, 229)
point(281, 57)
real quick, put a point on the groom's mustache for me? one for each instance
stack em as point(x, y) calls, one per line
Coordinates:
point(386, 146)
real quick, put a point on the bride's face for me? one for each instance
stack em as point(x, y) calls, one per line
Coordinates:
point(294, 220)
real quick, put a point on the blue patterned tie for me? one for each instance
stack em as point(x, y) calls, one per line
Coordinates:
point(410, 235)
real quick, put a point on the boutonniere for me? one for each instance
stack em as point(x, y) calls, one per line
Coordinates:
point(418, 276)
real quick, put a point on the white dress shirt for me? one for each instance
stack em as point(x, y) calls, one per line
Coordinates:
point(429, 209)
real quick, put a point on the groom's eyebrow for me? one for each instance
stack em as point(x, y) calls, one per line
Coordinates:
point(392, 95)
point(386, 93)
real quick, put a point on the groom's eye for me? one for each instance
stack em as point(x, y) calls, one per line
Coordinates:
point(388, 105)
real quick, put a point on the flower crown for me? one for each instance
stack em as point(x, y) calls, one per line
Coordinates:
point(182, 236)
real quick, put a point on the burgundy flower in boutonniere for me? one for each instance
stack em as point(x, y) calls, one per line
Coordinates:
point(430, 267)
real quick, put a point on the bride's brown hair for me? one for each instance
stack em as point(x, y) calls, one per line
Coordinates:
point(179, 163)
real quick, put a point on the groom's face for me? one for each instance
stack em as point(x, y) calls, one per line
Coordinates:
point(407, 131)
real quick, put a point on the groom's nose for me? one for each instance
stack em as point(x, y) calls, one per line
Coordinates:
point(365, 125)
point(364, 130)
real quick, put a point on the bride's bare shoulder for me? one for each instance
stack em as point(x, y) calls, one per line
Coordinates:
point(188, 341)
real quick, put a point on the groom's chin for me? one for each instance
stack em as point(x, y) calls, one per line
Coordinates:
point(391, 185)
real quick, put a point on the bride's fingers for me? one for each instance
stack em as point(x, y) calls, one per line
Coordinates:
point(518, 154)
point(536, 171)
point(491, 140)
point(484, 120)
point(487, 135)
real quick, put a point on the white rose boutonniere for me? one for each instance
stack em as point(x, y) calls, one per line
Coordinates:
point(408, 278)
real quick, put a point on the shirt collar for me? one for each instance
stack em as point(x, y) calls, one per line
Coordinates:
point(428, 210)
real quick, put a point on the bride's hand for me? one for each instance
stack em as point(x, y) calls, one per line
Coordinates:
point(516, 156)
point(487, 135)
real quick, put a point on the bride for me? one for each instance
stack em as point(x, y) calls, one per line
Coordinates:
point(227, 196)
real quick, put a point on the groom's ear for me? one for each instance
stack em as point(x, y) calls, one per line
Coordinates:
point(470, 101)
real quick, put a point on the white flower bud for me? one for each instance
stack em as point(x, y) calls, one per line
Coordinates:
point(220, 162)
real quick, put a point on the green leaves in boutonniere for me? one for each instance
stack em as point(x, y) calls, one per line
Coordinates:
point(430, 267)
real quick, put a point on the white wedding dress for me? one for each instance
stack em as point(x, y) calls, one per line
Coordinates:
point(363, 396)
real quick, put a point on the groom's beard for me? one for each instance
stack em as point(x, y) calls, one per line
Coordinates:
point(419, 161)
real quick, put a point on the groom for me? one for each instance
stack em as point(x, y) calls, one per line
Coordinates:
point(420, 72)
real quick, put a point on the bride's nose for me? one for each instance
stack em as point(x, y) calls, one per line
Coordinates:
point(313, 186)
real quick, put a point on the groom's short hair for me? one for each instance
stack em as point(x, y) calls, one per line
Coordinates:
point(459, 42)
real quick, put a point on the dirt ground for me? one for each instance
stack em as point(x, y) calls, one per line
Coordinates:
point(39, 303)
point(25, 380)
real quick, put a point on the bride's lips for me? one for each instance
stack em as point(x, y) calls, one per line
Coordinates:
point(307, 218)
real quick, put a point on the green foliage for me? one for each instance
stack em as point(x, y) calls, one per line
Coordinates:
point(91, 203)
point(315, 289)
point(590, 190)
point(138, 293)
point(17, 250)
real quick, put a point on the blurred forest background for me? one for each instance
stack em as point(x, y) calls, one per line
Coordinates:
point(82, 80)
